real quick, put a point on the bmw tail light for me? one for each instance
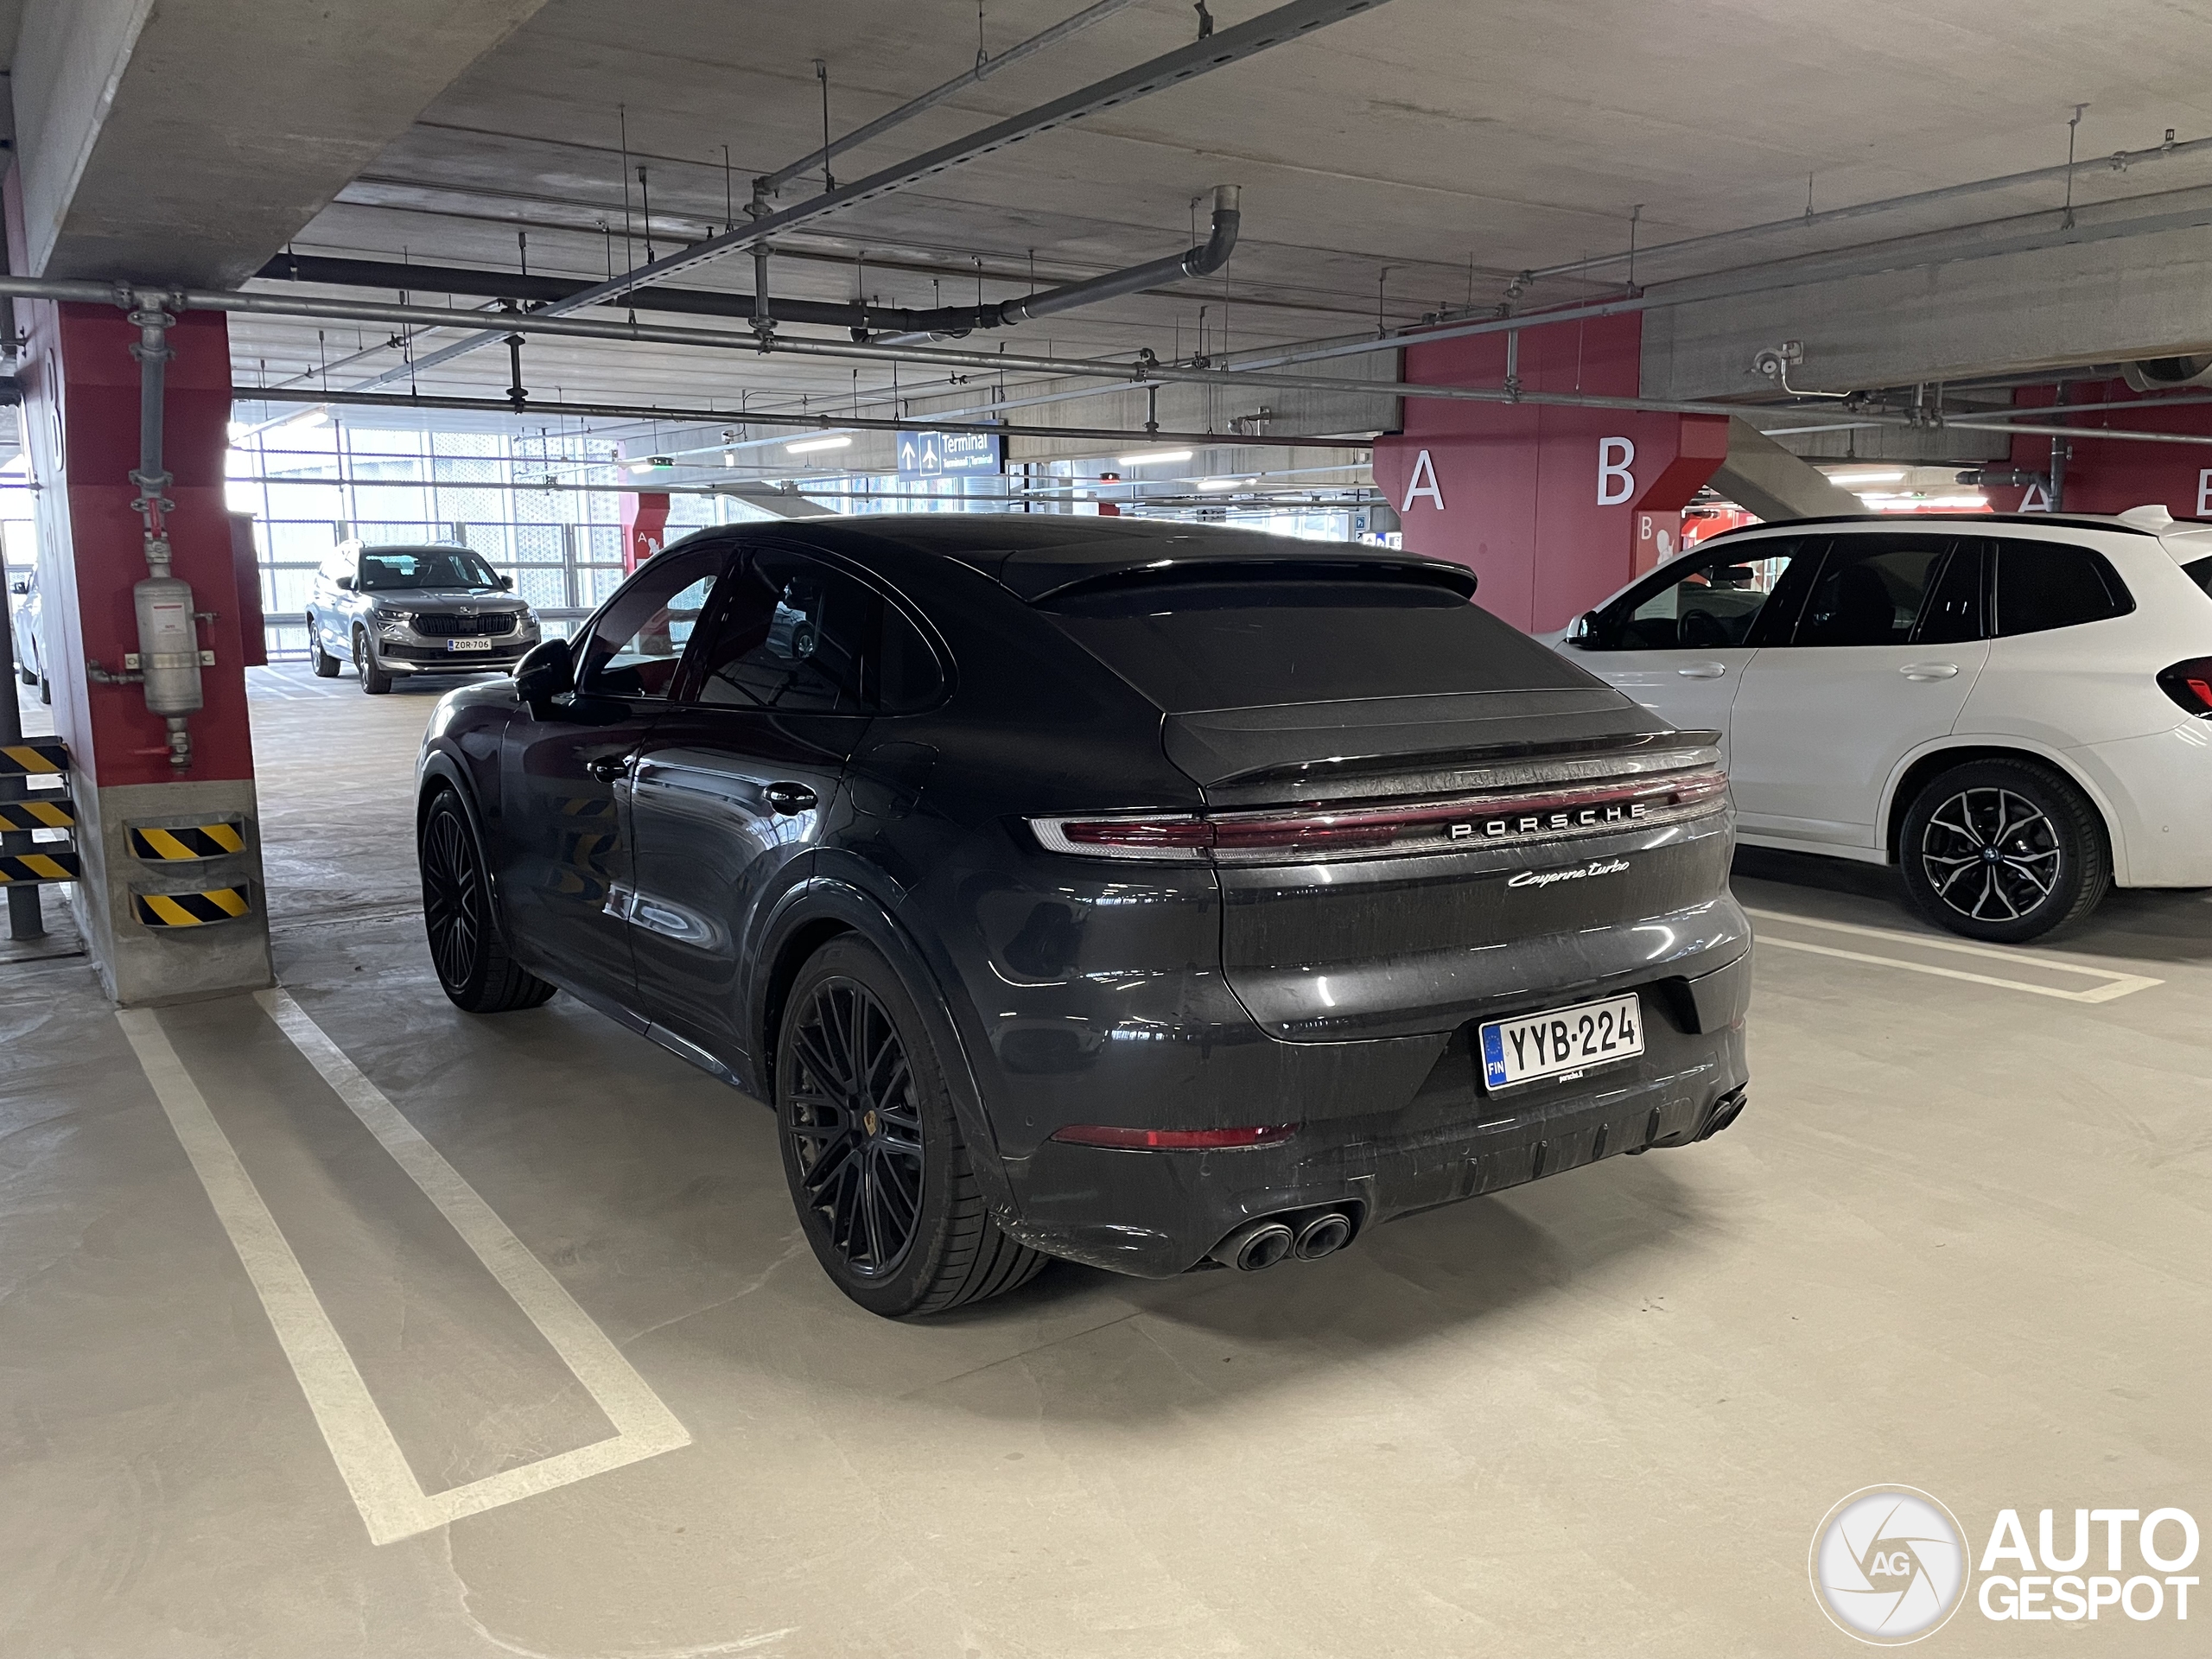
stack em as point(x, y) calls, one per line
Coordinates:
point(1108, 1135)
point(2189, 685)
point(1353, 829)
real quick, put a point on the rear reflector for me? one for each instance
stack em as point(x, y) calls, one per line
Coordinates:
point(1354, 830)
point(1107, 1135)
point(2189, 685)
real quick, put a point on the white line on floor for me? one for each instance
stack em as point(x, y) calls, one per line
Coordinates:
point(2114, 985)
point(391, 1501)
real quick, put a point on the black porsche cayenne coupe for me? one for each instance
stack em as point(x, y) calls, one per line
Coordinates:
point(1152, 895)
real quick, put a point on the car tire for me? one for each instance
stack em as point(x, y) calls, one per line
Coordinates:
point(2004, 851)
point(325, 665)
point(884, 1185)
point(45, 690)
point(468, 946)
point(374, 680)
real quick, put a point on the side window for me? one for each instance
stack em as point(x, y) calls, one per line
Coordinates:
point(2042, 585)
point(1870, 590)
point(795, 634)
point(1953, 615)
point(634, 648)
point(2200, 572)
point(1696, 604)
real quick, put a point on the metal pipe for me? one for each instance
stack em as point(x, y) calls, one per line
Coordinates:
point(2119, 162)
point(1141, 372)
point(1286, 22)
point(937, 95)
point(1203, 260)
point(801, 422)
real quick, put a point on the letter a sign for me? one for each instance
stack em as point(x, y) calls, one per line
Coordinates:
point(1423, 483)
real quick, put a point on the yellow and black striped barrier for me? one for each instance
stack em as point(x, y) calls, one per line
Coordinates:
point(57, 813)
point(190, 909)
point(33, 759)
point(37, 867)
point(184, 842)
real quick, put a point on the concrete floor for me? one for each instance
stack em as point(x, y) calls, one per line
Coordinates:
point(1959, 1242)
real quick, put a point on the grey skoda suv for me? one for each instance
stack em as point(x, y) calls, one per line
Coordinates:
point(431, 609)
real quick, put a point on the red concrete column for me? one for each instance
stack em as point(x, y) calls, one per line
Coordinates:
point(644, 526)
point(80, 422)
point(1552, 507)
point(2105, 476)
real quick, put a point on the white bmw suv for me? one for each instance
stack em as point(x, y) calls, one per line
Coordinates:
point(2017, 709)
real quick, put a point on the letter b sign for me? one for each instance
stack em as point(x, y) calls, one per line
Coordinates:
point(1616, 484)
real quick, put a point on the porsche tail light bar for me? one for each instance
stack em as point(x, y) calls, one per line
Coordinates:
point(1379, 829)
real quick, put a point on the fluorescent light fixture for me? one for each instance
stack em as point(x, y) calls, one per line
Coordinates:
point(1851, 480)
point(1156, 456)
point(808, 445)
point(652, 464)
point(1226, 483)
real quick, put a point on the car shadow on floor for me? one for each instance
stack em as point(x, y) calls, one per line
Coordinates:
point(1208, 1339)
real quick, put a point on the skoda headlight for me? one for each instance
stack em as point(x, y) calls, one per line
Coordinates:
point(394, 624)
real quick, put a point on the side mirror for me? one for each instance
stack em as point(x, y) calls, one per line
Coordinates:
point(346, 582)
point(19, 588)
point(548, 670)
point(508, 583)
point(1585, 630)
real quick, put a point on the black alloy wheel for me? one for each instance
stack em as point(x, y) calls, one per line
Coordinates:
point(881, 1179)
point(2005, 851)
point(374, 680)
point(465, 944)
point(855, 1128)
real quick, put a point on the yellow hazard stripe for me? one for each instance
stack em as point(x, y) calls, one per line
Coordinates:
point(53, 816)
point(36, 867)
point(190, 909)
point(166, 845)
point(32, 757)
point(225, 836)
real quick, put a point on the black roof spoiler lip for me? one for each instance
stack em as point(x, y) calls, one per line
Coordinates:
point(1443, 573)
point(1350, 766)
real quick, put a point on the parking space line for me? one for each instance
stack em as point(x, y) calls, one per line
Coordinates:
point(391, 1502)
point(2113, 985)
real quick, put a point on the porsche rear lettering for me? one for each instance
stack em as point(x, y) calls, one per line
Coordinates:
point(1587, 817)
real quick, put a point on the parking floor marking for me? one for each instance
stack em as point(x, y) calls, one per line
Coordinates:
point(391, 1502)
point(2115, 984)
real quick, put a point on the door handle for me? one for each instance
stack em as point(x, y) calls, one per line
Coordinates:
point(607, 768)
point(1930, 670)
point(789, 798)
point(1703, 670)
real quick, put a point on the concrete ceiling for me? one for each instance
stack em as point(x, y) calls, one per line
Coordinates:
point(1407, 159)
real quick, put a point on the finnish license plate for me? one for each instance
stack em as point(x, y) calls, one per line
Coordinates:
point(1561, 1042)
point(468, 644)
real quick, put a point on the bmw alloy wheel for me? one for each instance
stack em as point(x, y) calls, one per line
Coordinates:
point(1992, 855)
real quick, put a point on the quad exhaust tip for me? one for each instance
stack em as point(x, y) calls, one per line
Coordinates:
point(1262, 1243)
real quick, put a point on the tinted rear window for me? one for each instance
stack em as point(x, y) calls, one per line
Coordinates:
point(1235, 644)
point(2200, 573)
point(2042, 585)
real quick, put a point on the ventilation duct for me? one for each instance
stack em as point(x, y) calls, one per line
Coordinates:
point(891, 325)
point(2164, 373)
